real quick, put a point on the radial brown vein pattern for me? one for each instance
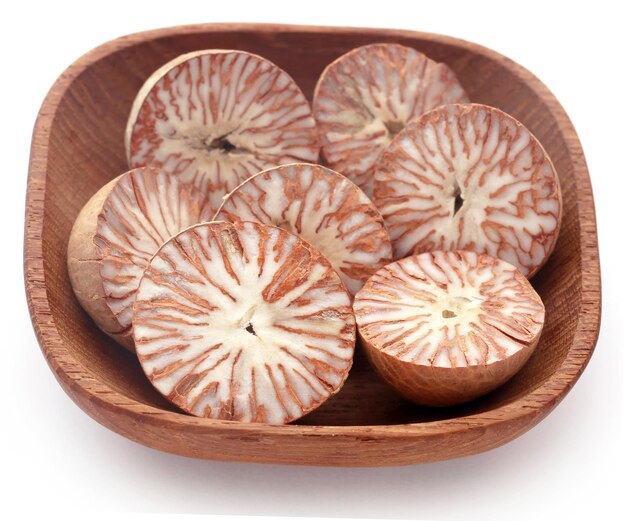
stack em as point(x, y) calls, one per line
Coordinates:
point(144, 209)
point(444, 327)
point(217, 117)
point(243, 322)
point(116, 234)
point(321, 206)
point(449, 309)
point(365, 97)
point(470, 177)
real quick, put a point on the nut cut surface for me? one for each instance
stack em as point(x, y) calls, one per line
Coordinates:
point(217, 117)
point(116, 234)
point(365, 97)
point(243, 321)
point(321, 206)
point(470, 177)
point(446, 327)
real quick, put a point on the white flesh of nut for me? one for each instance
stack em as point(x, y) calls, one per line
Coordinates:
point(470, 177)
point(144, 209)
point(244, 322)
point(366, 96)
point(449, 309)
point(217, 117)
point(324, 208)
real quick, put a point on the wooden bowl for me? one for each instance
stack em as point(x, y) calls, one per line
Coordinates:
point(78, 145)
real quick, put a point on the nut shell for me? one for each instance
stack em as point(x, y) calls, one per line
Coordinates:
point(83, 265)
point(443, 328)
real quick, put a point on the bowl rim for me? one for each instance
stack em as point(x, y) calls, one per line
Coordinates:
point(520, 414)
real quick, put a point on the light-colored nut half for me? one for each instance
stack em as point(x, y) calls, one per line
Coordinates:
point(115, 235)
point(324, 208)
point(365, 97)
point(470, 177)
point(216, 117)
point(243, 321)
point(443, 328)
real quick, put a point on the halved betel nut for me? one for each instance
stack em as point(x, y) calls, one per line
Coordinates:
point(470, 177)
point(365, 97)
point(243, 321)
point(115, 235)
point(443, 328)
point(216, 117)
point(324, 208)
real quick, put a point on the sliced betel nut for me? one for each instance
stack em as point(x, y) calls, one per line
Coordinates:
point(216, 117)
point(321, 206)
point(243, 321)
point(115, 235)
point(470, 177)
point(365, 97)
point(443, 328)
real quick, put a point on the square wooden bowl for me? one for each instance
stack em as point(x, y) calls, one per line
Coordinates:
point(78, 145)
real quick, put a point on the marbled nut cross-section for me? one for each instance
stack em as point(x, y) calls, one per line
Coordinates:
point(215, 118)
point(243, 322)
point(365, 97)
point(470, 177)
point(324, 208)
point(445, 327)
point(143, 210)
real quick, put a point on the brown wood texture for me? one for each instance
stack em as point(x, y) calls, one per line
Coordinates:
point(78, 145)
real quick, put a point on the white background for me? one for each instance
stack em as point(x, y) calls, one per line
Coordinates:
point(57, 460)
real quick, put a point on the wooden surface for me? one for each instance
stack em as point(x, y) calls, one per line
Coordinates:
point(78, 145)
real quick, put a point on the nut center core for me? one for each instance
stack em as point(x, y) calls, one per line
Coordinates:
point(221, 143)
point(393, 128)
point(455, 306)
point(458, 199)
point(250, 329)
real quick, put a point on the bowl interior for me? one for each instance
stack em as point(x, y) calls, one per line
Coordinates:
point(86, 149)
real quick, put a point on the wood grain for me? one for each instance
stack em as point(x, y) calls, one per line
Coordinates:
point(78, 145)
